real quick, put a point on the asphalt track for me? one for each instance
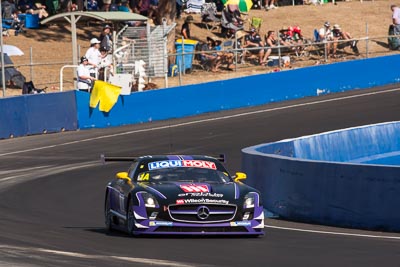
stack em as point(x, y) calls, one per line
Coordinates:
point(52, 191)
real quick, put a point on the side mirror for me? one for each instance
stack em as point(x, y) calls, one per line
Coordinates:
point(239, 176)
point(123, 176)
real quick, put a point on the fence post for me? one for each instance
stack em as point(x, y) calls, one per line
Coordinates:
point(31, 62)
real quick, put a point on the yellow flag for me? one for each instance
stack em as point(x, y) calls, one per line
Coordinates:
point(105, 93)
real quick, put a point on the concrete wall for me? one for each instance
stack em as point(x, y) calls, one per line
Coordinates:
point(70, 110)
point(300, 182)
point(36, 114)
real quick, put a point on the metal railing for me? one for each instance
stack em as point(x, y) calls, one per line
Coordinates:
point(48, 73)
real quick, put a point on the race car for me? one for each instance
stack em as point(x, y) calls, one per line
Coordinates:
point(181, 194)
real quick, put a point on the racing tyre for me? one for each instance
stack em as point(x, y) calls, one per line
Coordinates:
point(130, 219)
point(108, 214)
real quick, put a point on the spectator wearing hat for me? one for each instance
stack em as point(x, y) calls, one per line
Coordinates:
point(325, 35)
point(185, 31)
point(254, 44)
point(339, 34)
point(105, 37)
point(93, 55)
point(208, 59)
point(85, 80)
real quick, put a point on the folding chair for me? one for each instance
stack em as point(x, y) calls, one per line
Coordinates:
point(256, 22)
point(209, 16)
point(228, 28)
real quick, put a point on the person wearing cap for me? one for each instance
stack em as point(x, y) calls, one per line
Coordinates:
point(339, 34)
point(93, 55)
point(254, 44)
point(325, 35)
point(185, 31)
point(85, 80)
point(105, 37)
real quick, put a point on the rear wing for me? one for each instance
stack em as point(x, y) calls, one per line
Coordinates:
point(103, 158)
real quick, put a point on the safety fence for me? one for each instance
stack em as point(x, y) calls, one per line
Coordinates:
point(47, 74)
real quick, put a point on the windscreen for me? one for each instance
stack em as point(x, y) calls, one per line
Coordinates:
point(184, 174)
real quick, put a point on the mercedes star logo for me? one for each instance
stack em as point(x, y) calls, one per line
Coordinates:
point(203, 212)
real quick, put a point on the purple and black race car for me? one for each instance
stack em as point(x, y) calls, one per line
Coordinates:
point(181, 194)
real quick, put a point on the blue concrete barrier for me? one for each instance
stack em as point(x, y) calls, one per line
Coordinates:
point(331, 178)
point(196, 99)
point(35, 114)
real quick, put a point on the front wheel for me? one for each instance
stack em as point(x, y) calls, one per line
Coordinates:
point(130, 219)
point(108, 214)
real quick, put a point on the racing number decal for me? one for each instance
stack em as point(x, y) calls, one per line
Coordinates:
point(144, 176)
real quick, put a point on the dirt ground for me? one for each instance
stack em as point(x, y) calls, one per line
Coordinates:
point(49, 48)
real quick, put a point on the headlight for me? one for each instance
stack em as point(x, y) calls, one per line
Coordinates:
point(249, 200)
point(149, 200)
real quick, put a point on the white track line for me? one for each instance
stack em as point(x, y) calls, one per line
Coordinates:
point(200, 121)
point(332, 233)
point(147, 261)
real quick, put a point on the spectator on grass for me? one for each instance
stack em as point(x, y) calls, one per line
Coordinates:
point(325, 35)
point(29, 7)
point(185, 31)
point(270, 44)
point(85, 80)
point(254, 44)
point(93, 56)
point(270, 4)
point(208, 59)
point(339, 34)
point(396, 18)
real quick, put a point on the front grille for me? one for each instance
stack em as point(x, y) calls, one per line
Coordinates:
point(201, 229)
point(190, 213)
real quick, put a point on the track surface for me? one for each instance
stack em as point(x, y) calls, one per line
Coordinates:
point(52, 191)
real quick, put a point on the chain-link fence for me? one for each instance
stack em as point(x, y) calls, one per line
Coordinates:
point(133, 45)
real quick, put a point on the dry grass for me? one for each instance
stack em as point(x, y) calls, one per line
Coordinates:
point(51, 47)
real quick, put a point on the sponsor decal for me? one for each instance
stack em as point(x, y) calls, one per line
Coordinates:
point(160, 223)
point(202, 200)
point(208, 194)
point(182, 163)
point(243, 223)
point(190, 188)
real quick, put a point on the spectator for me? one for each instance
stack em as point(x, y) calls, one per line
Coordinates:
point(85, 80)
point(208, 59)
point(396, 18)
point(93, 56)
point(270, 4)
point(105, 64)
point(105, 37)
point(106, 5)
point(254, 43)
point(123, 6)
point(179, 5)
point(28, 7)
point(325, 35)
point(270, 43)
point(92, 5)
point(8, 9)
point(185, 31)
point(339, 34)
